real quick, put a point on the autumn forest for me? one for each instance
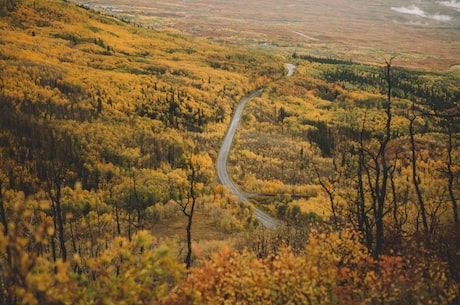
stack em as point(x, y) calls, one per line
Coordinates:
point(109, 136)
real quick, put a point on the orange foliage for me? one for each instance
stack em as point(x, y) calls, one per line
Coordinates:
point(333, 269)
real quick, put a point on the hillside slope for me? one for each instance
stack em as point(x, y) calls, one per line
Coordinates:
point(108, 137)
point(71, 70)
point(104, 117)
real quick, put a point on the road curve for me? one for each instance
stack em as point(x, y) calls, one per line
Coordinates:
point(291, 68)
point(222, 173)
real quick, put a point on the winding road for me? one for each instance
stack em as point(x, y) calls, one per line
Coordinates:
point(265, 219)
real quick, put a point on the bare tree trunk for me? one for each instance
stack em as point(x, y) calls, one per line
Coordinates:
point(117, 219)
point(91, 235)
point(76, 268)
point(378, 213)
point(53, 236)
point(188, 258)
point(398, 222)
point(188, 209)
point(72, 237)
point(451, 175)
point(129, 218)
point(54, 192)
point(60, 220)
point(129, 224)
point(381, 187)
point(363, 220)
point(56, 173)
point(330, 193)
point(137, 204)
point(192, 196)
point(415, 178)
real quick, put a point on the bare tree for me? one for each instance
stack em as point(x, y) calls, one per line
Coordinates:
point(382, 170)
point(328, 187)
point(197, 172)
point(54, 169)
point(362, 211)
point(448, 119)
point(415, 177)
point(451, 173)
point(187, 207)
point(56, 175)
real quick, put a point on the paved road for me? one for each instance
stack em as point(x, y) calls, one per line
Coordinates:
point(291, 68)
point(222, 172)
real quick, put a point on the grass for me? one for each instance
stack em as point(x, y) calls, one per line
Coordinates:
point(357, 30)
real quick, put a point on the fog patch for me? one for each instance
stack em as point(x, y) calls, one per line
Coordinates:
point(412, 10)
point(453, 4)
point(440, 17)
point(415, 10)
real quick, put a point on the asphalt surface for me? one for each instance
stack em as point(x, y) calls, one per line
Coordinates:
point(222, 173)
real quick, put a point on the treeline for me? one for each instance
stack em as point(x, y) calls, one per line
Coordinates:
point(323, 60)
point(429, 88)
point(439, 92)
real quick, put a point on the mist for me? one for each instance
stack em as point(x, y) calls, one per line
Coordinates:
point(415, 10)
point(453, 4)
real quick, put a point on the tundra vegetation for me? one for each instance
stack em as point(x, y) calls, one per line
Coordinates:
point(109, 132)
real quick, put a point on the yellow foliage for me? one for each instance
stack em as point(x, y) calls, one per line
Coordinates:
point(130, 104)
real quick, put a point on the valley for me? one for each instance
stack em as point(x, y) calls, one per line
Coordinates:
point(132, 137)
point(423, 34)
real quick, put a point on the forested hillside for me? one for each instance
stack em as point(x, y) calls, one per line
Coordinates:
point(109, 133)
point(93, 102)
